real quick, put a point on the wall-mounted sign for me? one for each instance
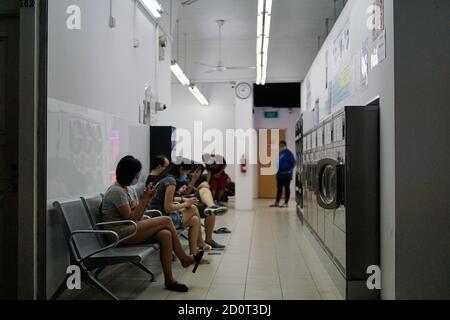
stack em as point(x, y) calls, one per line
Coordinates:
point(271, 115)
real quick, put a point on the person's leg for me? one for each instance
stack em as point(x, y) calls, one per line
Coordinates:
point(213, 186)
point(204, 185)
point(287, 190)
point(210, 222)
point(191, 220)
point(147, 229)
point(221, 185)
point(206, 196)
point(164, 238)
point(279, 191)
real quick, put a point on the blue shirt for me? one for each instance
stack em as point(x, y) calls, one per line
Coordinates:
point(286, 164)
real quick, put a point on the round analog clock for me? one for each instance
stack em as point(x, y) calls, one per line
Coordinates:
point(243, 90)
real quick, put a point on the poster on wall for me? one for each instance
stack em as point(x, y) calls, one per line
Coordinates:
point(356, 74)
point(328, 84)
point(341, 65)
point(378, 16)
point(316, 112)
point(365, 65)
point(378, 51)
point(326, 69)
point(308, 92)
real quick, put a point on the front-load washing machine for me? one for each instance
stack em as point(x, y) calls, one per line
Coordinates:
point(347, 189)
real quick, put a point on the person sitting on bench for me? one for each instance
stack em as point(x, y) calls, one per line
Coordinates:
point(121, 203)
point(183, 212)
point(187, 177)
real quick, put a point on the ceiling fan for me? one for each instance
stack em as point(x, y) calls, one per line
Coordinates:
point(188, 2)
point(220, 67)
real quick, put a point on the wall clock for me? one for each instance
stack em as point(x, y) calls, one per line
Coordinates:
point(243, 90)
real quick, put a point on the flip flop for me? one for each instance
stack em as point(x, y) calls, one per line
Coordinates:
point(177, 287)
point(222, 230)
point(198, 259)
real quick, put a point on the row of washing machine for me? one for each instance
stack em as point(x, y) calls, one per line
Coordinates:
point(340, 179)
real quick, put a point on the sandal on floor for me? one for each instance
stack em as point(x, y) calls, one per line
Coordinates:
point(177, 287)
point(222, 231)
point(198, 259)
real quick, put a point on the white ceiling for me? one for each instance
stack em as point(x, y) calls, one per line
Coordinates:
point(294, 23)
point(292, 19)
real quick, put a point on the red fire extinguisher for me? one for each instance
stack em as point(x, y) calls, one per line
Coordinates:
point(243, 164)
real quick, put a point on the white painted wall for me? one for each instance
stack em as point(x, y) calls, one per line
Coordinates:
point(287, 121)
point(186, 110)
point(245, 182)
point(381, 83)
point(96, 82)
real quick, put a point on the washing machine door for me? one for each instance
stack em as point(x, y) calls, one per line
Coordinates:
point(330, 183)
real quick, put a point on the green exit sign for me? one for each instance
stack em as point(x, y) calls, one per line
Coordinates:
point(271, 115)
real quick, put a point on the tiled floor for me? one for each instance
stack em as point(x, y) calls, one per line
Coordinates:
point(267, 257)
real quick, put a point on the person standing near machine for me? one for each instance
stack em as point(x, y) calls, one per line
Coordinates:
point(286, 164)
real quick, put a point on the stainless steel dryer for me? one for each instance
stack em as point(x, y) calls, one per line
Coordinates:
point(314, 186)
point(347, 181)
point(320, 154)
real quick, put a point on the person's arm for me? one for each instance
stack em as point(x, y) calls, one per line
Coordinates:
point(194, 178)
point(170, 206)
point(136, 215)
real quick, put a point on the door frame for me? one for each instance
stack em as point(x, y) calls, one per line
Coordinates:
point(42, 151)
point(258, 176)
point(32, 213)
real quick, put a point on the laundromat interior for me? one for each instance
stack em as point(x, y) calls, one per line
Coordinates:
point(224, 150)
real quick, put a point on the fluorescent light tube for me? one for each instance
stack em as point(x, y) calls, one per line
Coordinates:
point(176, 70)
point(262, 39)
point(264, 61)
point(259, 43)
point(265, 49)
point(259, 26)
point(263, 79)
point(267, 22)
point(153, 7)
point(198, 95)
point(260, 6)
point(268, 6)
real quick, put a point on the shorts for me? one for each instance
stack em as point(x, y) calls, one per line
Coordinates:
point(122, 231)
point(201, 179)
point(201, 210)
point(177, 219)
point(218, 184)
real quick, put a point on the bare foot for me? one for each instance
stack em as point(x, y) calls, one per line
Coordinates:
point(189, 261)
point(206, 247)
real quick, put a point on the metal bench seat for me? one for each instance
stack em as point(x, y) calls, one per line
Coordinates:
point(92, 249)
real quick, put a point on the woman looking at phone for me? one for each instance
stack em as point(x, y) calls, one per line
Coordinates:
point(183, 211)
point(121, 203)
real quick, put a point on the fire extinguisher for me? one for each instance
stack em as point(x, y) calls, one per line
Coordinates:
point(243, 164)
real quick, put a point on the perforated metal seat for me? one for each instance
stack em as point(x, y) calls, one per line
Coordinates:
point(91, 250)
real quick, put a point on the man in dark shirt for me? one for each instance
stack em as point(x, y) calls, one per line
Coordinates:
point(286, 164)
